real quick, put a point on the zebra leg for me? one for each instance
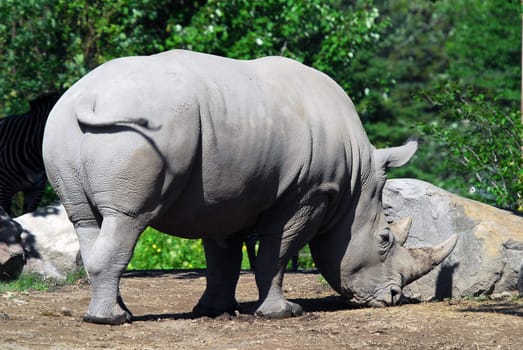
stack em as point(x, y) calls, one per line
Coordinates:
point(32, 198)
point(6, 201)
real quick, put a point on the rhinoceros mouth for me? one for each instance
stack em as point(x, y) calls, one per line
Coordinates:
point(388, 296)
point(365, 302)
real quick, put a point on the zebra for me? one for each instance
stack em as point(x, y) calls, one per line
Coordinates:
point(21, 163)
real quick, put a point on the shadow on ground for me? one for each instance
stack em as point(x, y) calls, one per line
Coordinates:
point(323, 304)
point(179, 274)
point(502, 307)
point(320, 304)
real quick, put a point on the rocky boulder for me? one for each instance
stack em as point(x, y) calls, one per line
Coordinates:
point(489, 253)
point(50, 242)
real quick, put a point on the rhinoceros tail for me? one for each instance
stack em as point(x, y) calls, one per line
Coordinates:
point(86, 115)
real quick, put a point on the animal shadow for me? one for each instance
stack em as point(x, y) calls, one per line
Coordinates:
point(502, 307)
point(247, 309)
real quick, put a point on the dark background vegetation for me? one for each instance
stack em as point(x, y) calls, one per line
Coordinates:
point(446, 71)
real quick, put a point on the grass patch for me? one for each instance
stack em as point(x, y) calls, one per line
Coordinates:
point(25, 282)
point(35, 282)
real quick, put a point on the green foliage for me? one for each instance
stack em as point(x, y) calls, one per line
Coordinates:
point(156, 250)
point(473, 44)
point(48, 45)
point(27, 40)
point(484, 144)
point(407, 57)
point(475, 102)
point(490, 63)
point(316, 32)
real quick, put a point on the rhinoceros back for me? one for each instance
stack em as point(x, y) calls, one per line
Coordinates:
point(234, 137)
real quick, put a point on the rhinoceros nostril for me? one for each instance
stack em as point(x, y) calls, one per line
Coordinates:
point(391, 296)
point(395, 293)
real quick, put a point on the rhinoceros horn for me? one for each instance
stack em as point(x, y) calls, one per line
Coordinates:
point(400, 229)
point(419, 261)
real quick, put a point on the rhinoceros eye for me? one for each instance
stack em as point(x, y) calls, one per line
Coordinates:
point(384, 241)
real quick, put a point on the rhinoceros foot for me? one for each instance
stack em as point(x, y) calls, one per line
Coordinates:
point(201, 310)
point(110, 320)
point(279, 308)
point(118, 314)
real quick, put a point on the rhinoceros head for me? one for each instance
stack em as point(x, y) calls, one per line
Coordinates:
point(364, 259)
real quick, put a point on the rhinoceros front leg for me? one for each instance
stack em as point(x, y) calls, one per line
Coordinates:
point(269, 279)
point(105, 257)
point(223, 270)
point(275, 252)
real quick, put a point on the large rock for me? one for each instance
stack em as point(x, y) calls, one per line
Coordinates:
point(50, 242)
point(489, 253)
point(12, 255)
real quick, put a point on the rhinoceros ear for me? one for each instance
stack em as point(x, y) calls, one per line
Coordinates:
point(395, 156)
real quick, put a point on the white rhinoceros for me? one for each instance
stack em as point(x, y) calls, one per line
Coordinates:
point(201, 146)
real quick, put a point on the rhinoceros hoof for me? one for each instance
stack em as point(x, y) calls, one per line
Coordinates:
point(124, 317)
point(279, 309)
point(201, 310)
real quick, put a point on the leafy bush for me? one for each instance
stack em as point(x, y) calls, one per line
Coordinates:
point(322, 34)
point(156, 250)
point(483, 143)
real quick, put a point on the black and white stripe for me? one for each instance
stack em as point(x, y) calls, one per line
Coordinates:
point(21, 164)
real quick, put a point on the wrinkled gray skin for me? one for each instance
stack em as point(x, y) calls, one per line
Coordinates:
point(200, 146)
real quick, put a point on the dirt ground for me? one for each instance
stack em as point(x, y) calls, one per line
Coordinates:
point(162, 302)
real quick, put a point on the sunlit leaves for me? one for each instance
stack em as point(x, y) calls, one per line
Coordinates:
point(484, 144)
point(313, 32)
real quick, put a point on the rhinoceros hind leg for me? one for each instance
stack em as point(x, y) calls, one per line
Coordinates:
point(105, 260)
point(119, 315)
point(223, 270)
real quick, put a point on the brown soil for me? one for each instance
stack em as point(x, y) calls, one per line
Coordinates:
point(162, 302)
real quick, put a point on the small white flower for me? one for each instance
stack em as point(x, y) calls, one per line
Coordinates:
point(259, 41)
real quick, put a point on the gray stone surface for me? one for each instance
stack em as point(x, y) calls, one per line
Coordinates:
point(489, 252)
point(50, 242)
